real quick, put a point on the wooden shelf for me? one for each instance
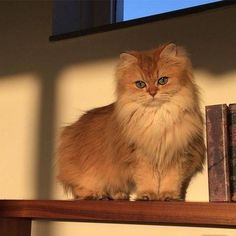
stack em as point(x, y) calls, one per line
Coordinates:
point(140, 212)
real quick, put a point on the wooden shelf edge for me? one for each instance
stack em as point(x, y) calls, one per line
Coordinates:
point(139, 212)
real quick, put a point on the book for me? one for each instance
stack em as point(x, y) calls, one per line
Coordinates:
point(217, 153)
point(232, 149)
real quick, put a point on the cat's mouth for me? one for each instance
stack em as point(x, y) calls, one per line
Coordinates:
point(155, 101)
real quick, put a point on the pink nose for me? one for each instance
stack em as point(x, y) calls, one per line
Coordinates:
point(152, 92)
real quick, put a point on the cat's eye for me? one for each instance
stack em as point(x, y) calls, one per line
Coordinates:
point(163, 80)
point(140, 84)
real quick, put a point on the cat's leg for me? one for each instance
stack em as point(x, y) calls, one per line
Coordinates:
point(100, 189)
point(170, 184)
point(82, 192)
point(88, 187)
point(175, 180)
point(118, 186)
point(146, 182)
point(119, 195)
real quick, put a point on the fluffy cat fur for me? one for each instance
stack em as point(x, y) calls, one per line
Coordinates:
point(145, 146)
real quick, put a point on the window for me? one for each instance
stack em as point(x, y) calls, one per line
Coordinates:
point(79, 17)
point(133, 9)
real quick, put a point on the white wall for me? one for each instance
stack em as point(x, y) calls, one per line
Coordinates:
point(45, 85)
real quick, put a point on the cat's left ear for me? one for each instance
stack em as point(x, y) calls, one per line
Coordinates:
point(170, 50)
point(128, 57)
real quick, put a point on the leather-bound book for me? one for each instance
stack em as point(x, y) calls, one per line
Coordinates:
point(217, 152)
point(232, 149)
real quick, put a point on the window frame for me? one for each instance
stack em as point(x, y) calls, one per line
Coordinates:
point(116, 15)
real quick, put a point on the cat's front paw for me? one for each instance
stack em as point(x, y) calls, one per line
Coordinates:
point(143, 196)
point(85, 194)
point(119, 196)
point(169, 196)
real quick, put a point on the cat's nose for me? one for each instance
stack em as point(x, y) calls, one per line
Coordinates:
point(152, 92)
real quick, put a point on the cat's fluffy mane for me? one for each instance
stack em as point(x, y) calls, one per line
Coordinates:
point(168, 124)
point(149, 143)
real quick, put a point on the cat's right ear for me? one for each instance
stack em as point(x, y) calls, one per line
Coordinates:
point(170, 50)
point(128, 57)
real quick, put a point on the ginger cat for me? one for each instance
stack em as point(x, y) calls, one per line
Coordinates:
point(145, 146)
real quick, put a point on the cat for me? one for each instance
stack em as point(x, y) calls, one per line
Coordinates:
point(145, 146)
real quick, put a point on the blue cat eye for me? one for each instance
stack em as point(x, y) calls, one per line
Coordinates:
point(140, 84)
point(163, 80)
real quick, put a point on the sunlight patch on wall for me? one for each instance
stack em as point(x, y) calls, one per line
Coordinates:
point(83, 87)
point(217, 89)
point(19, 104)
point(80, 88)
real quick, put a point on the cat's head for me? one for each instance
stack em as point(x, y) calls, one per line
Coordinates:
point(153, 77)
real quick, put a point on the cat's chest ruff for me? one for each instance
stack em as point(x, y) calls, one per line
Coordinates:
point(145, 126)
point(156, 130)
point(151, 122)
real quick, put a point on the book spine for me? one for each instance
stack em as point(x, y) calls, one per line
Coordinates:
point(232, 149)
point(217, 153)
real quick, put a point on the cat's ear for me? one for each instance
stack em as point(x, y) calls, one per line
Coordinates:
point(128, 57)
point(170, 50)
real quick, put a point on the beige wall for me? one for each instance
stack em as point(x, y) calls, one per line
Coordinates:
point(45, 85)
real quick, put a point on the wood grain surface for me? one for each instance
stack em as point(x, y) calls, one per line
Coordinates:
point(139, 212)
point(15, 227)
